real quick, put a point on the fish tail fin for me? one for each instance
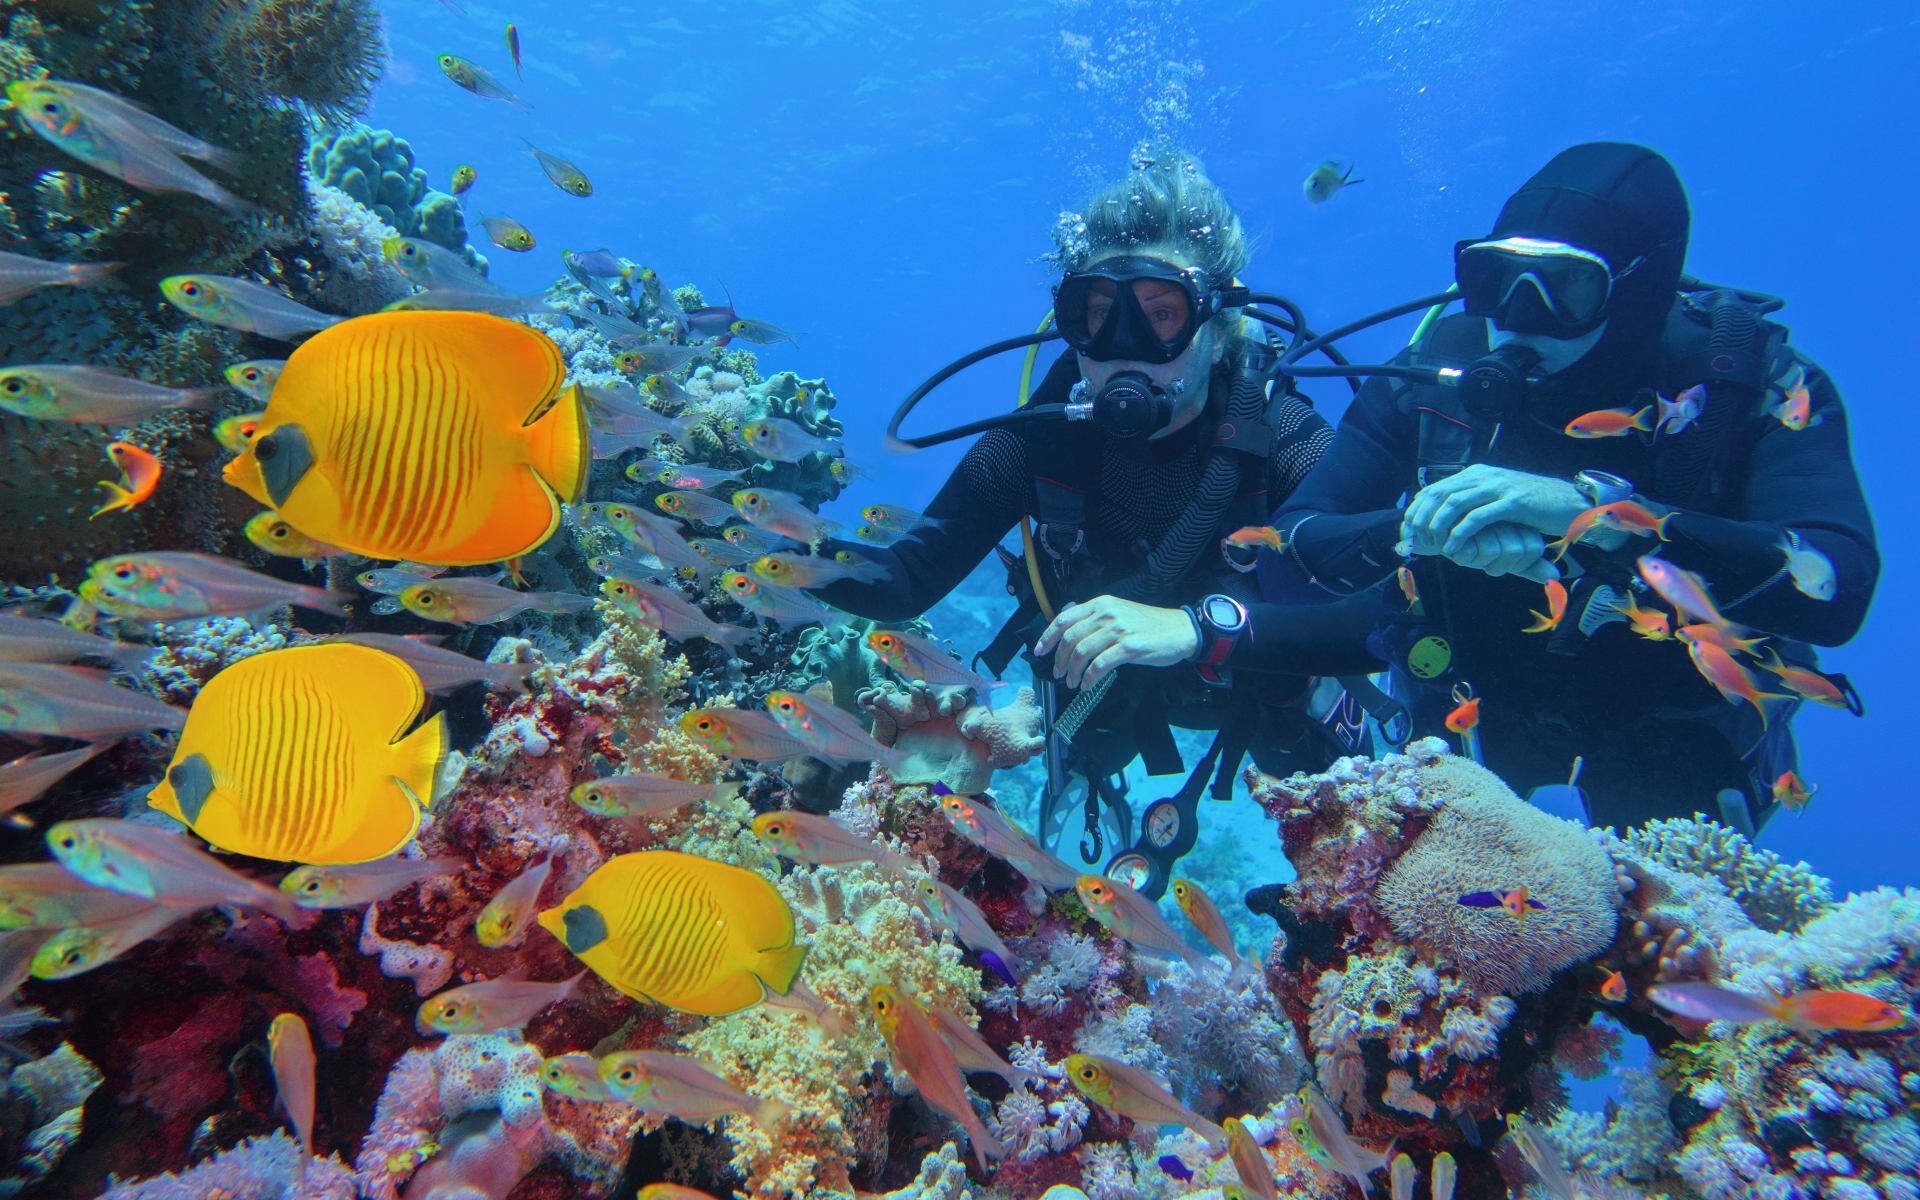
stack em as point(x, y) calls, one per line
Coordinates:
point(562, 444)
point(1660, 527)
point(416, 758)
point(985, 1145)
point(731, 637)
point(771, 1114)
point(322, 600)
point(1542, 623)
point(1643, 420)
point(779, 968)
point(122, 499)
point(1558, 548)
point(90, 274)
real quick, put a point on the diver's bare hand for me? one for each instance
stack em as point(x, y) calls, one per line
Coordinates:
point(1106, 632)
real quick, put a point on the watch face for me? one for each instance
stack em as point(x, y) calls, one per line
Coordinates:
point(1221, 612)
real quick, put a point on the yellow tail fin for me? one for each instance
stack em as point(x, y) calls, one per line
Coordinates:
point(416, 758)
point(122, 499)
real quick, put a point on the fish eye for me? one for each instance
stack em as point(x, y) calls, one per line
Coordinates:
point(123, 572)
point(1087, 1073)
point(626, 1074)
point(189, 289)
point(776, 828)
point(69, 842)
point(310, 886)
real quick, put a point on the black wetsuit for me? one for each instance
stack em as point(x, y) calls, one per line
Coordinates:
point(1140, 490)
point(1656, 738)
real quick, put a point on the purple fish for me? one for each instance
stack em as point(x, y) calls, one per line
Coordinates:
point(1173, 1165)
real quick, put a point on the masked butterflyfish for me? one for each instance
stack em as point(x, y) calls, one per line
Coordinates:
point(305, 755)
point(439, 437)
point(687, 932)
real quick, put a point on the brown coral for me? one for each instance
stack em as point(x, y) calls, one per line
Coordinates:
point(1488, 840)
point(944, 736)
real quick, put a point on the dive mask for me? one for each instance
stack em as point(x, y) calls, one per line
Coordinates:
point(1531, 286)
point(1138, 309)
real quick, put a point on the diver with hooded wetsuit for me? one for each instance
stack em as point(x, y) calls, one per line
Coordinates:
point(1167, 437)
point(1465, 467)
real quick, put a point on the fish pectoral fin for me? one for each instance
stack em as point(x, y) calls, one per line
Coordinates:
point(285, 456)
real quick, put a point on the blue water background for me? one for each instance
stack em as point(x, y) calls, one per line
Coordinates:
point(880, 178)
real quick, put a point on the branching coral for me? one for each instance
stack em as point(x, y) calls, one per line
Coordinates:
point(1777, 896)
point(262, 1168)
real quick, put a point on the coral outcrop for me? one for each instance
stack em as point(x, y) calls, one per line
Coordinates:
point(945, 736)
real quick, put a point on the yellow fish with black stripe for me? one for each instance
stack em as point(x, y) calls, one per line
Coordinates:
point(437, 437)
point(687, 932)
point(304, 755)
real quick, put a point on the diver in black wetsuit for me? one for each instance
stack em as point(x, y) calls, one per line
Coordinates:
point(1186, 446)
point(1575, 303)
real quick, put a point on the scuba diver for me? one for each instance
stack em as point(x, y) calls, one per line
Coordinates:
point(1144, 448)
point(1585, 371)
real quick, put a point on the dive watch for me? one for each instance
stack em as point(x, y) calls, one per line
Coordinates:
point(1221, 620)
point(1603, 487)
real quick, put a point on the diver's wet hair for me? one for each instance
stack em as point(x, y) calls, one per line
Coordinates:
point(1167, 203)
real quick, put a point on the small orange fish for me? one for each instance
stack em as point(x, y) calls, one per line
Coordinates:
point(1717, 666)
point(1623, 515)
point(1795, 409)
point(1727, 637)
point(1850, 1012)
point(1257, 535)
point(139, 475)
point(1614, 987)
point(1556, 608)
point(1465, 717)
point(1792, 792)
point(1516, 902)
point(1808, 683)
point(1404, 576)
point(1610, 422)
point(1649, 623)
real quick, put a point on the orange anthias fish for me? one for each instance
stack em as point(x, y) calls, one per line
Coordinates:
point(1795, 409)
point(1408, 588)
point(1810, 684)
point(1727, 637)
point(1792, 792)
point(1556, 608)
point(1614, 987)
point(1465, 717)
point(1816, 1011)
point(139, 475)
point(1685, 591)
point(1257, 535)
point(1611, 422)
point(1516, 902)
point(1623, 515)
point(1649, 623)
point(1717, 666)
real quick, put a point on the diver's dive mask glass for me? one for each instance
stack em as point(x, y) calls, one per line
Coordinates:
point(1134, 308)
point(1532, 286)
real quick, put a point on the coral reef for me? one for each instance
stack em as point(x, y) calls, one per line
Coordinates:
point(41, 1103)
point(1406, 1001)
point(324, 56)
point(375, 167)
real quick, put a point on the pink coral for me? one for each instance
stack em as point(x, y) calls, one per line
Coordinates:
point(944, 736)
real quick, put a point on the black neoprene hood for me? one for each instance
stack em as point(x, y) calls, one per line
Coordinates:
point(1624, 203)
